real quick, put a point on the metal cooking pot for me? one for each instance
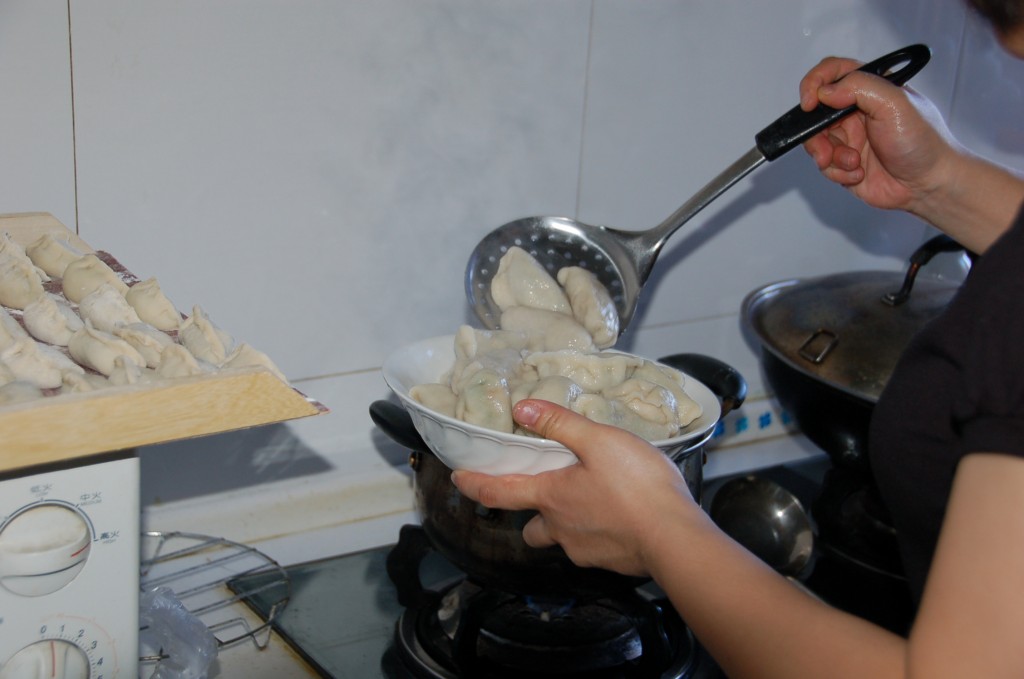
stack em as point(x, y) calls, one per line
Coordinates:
point(487, 544)
point(829, 344)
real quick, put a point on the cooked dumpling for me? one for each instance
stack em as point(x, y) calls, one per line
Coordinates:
point(147, 340)
point(83, 275)
point(20, 283)
point(31, 362)
point(593, 372)
point(152, 305)
point(522, 281)
point(557, 389)
point(49, 319)
point(608, 411)
point(668, 377)
point(205, 340)
point(470, 342)
point(498, 350)
point(485, 401)
point(97, 350)
point(591, 304)
point(177, 361)
point(244, 356)
point(106, 308)
point(547, 330)
point(437, 397)
point(649, 401)
point(52, 255)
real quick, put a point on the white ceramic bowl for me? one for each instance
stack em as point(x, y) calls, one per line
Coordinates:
point(461, 445)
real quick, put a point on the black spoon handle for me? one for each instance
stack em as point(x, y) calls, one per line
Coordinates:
point(797, 126)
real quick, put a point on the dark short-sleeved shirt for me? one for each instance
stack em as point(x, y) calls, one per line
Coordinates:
point(957, 389)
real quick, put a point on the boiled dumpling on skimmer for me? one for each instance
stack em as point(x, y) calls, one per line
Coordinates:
point(522, 281)
point(591, 304)
point(547, 330)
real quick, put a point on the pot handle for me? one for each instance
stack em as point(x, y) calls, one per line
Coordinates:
point(396, 422)
point(921, 256)
point(721, 378)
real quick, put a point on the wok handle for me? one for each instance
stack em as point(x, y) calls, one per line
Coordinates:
point(797, 126)
point(721, 378)
point(919, 258)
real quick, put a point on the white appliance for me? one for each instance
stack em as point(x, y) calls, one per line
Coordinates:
point(69, 570)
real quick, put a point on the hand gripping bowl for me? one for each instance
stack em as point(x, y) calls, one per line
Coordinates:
point(461, 445)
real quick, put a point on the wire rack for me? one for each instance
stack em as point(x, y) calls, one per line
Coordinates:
point(215, 580)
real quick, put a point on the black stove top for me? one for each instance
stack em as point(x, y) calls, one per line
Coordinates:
point(345, 618)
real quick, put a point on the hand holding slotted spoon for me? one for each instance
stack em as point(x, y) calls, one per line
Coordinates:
point(622, 260)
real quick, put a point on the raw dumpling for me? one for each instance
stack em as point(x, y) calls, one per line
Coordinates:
point(97, 350)
point(19, 391)
point(145, 339)
point(205, 340)
point(522, 281)
point(20, 283)
point(668, 377)
point(177, 361)
point(437, 397)
point(77, 383)
point(127, 371)
point(107, 308)
point(547, 330)
point(83, 275)
point(5, 375)
point(52, 255)
point(244, 356)
point(152, 305)
point(10, 330)
point(11, 248)
point(49, 319)
point(593, 372)
point(30, 362)
point(591, 305)
point(485, 402)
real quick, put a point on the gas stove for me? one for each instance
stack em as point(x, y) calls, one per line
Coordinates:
point(402, 611)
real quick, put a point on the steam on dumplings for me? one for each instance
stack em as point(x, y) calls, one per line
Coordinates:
point(549, 347)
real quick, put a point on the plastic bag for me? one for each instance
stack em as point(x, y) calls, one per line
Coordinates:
point(189, 645)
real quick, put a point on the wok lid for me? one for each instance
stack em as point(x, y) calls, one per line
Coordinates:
point(845, 329)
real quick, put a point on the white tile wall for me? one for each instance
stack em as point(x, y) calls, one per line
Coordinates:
point(314, 173)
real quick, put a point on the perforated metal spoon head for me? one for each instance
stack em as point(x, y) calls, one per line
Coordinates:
point(555, 242)
point(622, 260)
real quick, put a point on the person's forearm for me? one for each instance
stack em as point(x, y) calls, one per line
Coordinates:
point(754, 622)
point(975, 202)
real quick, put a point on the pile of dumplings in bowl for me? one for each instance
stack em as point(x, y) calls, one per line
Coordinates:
point(554, 343)
point(70, 323)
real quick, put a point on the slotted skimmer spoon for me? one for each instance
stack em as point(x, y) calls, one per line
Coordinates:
point(622, 260)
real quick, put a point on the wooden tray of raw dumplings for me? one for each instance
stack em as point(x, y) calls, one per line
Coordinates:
point(65, 425)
